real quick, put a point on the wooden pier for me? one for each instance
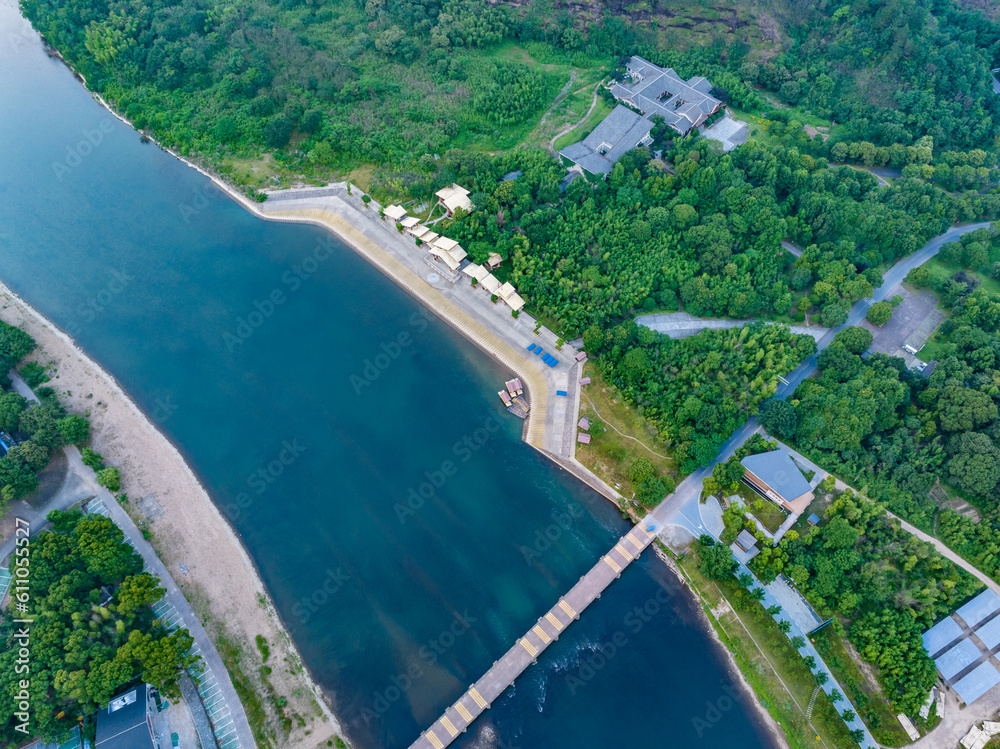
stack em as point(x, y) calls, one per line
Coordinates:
point(480, 696)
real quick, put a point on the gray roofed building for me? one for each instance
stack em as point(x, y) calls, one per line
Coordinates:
point(125, 722)
point(955, 660)
point(744, 548)
point(977, 683)
point(654, 91)
point(746, 540)
point(944, 633)
point(775, 475)
point(729, 132)
point(616, 135)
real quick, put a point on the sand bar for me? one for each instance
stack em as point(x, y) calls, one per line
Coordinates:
point(221, 583)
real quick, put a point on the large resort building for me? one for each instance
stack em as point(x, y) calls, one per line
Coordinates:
point(616, 135)
point(683, 105)
point(654, 91)
point(775, 476)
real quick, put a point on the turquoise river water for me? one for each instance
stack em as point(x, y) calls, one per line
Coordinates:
point(151, 271)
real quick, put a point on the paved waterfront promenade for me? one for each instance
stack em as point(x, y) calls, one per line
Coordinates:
point(551, 426)
point(481, 695)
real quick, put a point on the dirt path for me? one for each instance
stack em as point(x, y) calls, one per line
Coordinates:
point(623, 435)
point(560, 97)
point(571, 128)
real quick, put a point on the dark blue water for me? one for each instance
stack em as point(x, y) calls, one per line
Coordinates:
point(389, 519)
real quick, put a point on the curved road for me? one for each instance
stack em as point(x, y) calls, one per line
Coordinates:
point(681, 507)
point(691, 486)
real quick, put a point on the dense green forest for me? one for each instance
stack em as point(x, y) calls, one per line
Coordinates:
point(900, 430)
point(900, 434)
point(83, 647)
point(342, 82)
point(887, 585)
point(697, 390)
point(892, 72)
point(708, 234)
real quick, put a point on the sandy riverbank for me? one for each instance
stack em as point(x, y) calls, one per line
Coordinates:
point(221, 583)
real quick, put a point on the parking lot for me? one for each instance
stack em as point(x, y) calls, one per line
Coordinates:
point(907, 318)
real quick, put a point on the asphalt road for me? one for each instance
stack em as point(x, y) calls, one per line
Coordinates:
point(692, 485)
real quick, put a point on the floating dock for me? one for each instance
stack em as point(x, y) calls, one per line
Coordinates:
point(519, 407)
point(514, 387)
point(514, 399)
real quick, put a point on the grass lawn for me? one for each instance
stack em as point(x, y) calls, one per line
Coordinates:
point(602, 110)
point(774, 669)
point(941, 272)
point(584, 72)
point(760, 126)
point(625, 436)
point(254, 171)
point(764, 510)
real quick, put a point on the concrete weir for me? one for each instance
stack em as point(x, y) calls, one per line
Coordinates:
point(480, 696)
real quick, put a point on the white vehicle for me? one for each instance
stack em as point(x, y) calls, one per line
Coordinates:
point(910, 350)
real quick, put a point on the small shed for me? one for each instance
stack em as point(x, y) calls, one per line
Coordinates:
point(583, 439)
point(506, 290)
point(746, 540)
point(584, 423)
point(585, 381)
point(409, 222)
point(494, 260)
point(515, 302)
point(490, 283)
point(813, 519)
point(581, 356)
point(395, 212)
